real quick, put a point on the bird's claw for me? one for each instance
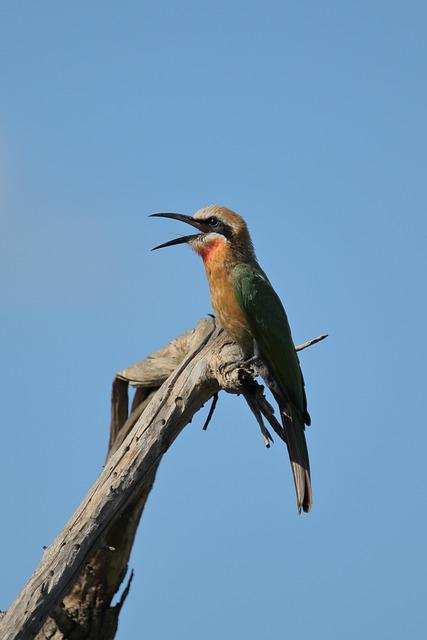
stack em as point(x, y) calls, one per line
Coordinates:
point(249, 366)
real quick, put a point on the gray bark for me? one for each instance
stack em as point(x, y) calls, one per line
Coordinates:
point(70, 593)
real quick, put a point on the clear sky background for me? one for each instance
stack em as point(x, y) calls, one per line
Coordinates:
point(308, 118)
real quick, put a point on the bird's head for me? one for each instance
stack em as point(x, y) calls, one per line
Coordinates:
point(220, 229)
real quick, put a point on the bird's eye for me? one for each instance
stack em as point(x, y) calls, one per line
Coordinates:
point(213, 222)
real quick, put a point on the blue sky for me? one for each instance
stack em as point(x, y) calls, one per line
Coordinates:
point(308, 118)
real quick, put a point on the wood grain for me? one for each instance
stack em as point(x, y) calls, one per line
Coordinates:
point(69, 594)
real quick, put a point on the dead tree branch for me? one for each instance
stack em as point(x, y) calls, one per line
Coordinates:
point(69, 595)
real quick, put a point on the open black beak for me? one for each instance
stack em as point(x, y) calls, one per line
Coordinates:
point(183, 218)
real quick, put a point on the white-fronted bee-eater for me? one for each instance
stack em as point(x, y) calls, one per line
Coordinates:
point(250, 311)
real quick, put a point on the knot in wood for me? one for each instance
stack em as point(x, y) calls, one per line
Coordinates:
point(236, 379)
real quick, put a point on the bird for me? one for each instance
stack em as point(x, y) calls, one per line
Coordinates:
point(250, 311)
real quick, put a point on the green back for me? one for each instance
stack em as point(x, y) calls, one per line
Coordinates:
point(270, 327)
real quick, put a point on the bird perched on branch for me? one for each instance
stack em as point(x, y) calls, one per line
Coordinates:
point(251, 312)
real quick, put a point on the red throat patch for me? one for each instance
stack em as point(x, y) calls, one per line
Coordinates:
point(208, 250)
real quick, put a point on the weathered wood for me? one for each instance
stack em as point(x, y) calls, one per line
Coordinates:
point(86, 613)
point(77, 576)
point(128, 471)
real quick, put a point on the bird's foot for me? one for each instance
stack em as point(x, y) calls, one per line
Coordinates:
point(250, 366)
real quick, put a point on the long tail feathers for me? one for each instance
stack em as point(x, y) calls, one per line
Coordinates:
point(298, 454)
point(293, 425)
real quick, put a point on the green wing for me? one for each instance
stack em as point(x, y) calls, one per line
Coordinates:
point(270, 328)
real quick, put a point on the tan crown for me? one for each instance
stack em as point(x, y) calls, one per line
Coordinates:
point(227, 216)
point(240, 241)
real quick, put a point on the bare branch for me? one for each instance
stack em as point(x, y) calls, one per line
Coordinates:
point(190, 370)
point(268, 413)
point(304, 345)
point(211, 410)
point(253, 403)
